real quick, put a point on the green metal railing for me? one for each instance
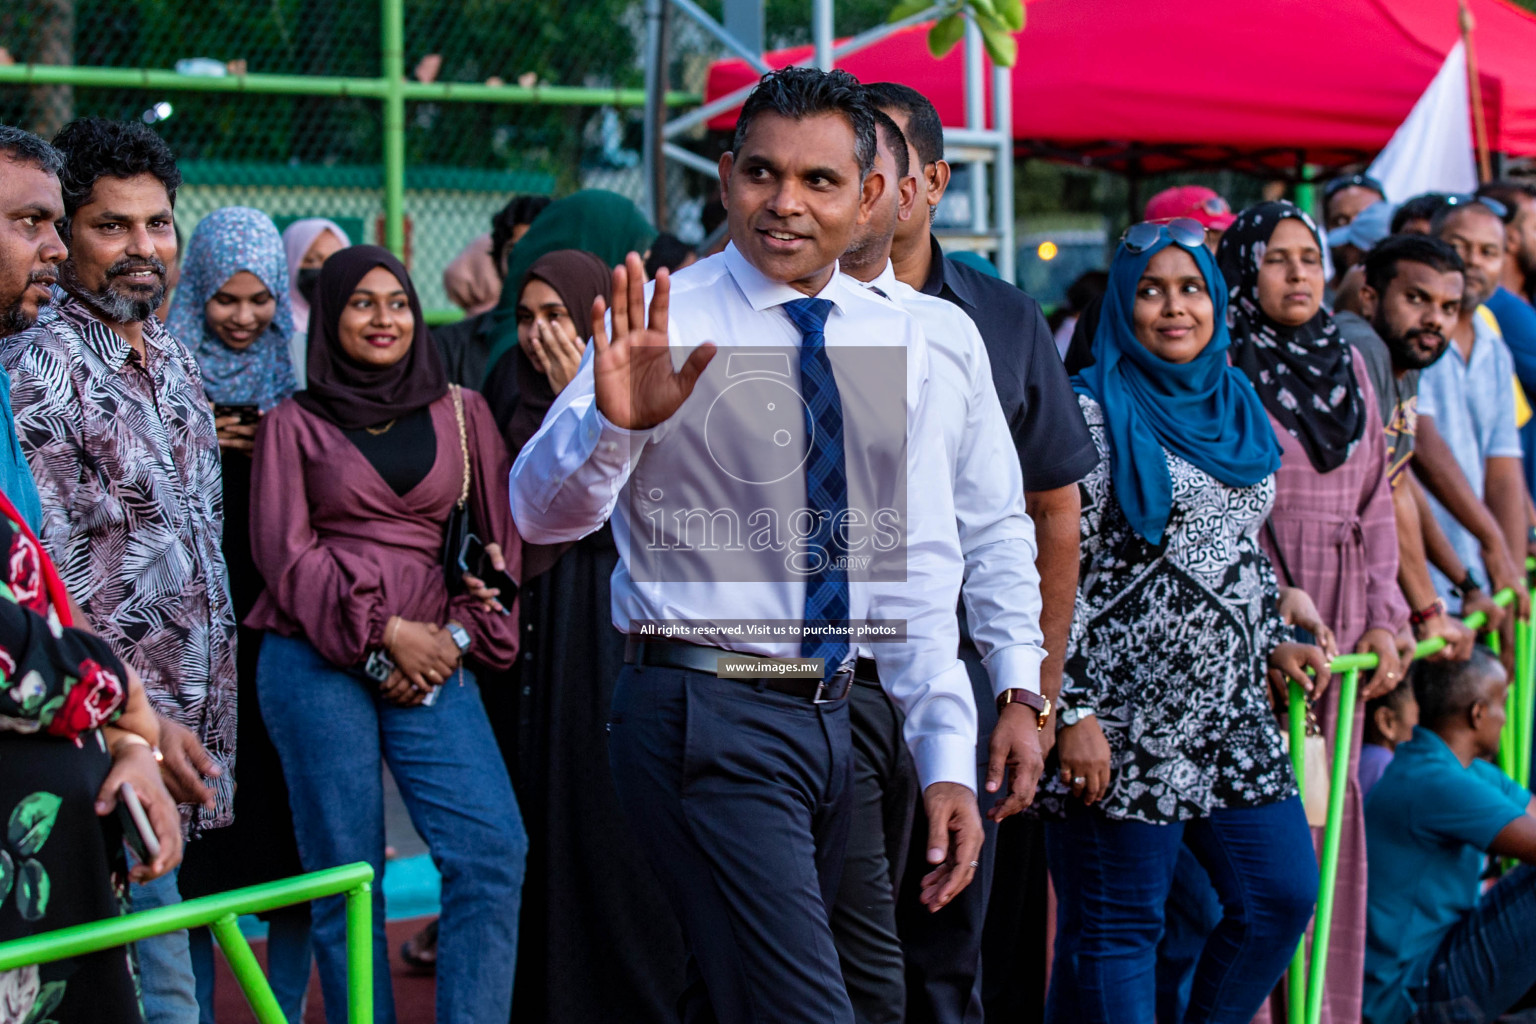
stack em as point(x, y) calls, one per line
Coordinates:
point(1304, 984)
point(220, 913)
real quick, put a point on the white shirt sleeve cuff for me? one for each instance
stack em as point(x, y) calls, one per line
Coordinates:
point(1015, 667)
point(608, 429)
point(945, 757)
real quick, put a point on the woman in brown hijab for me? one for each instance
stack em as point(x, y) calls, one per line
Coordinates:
point(370, 654)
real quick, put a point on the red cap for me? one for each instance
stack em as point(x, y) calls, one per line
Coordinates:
point(1194, 201)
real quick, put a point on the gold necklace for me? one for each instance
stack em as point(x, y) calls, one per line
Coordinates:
point(376, 431)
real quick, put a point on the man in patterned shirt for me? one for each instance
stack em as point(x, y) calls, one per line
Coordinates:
point(111, 414)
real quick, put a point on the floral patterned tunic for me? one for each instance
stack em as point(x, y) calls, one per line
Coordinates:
point(1169, 645)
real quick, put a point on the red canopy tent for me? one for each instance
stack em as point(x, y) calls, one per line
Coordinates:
point(1262, 85)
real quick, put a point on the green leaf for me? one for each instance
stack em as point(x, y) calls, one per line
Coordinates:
point(32, 822)
point(1012, 14)
point(32, 890)
point(907, 8)
point(7, 874)
point(983, 8)
point(945, 34)
point(48, 1000)
point(1000, 44)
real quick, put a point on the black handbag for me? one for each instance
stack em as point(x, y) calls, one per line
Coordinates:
point(457, 527)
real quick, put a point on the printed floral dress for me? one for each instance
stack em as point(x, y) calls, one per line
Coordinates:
point(1169, 647)
point(60, 864)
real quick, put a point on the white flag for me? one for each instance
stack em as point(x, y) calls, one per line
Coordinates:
point(1432, 150)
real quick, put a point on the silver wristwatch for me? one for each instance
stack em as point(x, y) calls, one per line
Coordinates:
point(460, 636)
point(1071, 716)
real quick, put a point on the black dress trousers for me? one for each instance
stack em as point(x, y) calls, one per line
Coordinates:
point(740, 797)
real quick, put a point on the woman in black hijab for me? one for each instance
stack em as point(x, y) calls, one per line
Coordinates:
point(354, 394)
point(599, 940)
point(1332, 531)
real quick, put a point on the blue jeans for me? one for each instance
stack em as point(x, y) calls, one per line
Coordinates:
point(1112, 879)
point(1488, 961)
point(165, 965)
point(1191, 913)
point(332, 731)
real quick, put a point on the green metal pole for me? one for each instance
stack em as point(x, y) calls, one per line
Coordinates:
point(1296, 980)
point(1527, 703)
point(1509, 736)
point(329, 85)
point(360, 955)
point(1306, 192)
point(258, 992)
point(393, 14)
point(1344, 730)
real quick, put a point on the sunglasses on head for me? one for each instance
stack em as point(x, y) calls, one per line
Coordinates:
point(1494, 207)
point(1338, 185)
point(1185, 231)
point(1215, 206)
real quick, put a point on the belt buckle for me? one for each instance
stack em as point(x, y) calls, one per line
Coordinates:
point(842, 680)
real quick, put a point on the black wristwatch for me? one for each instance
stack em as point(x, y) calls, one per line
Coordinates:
point(1468, 585)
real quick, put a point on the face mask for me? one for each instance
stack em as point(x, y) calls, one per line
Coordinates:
point(308, 278)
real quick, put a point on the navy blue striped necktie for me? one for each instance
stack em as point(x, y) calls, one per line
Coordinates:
point(826, 486)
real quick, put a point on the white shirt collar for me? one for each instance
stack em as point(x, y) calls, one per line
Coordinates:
point(887, 281)
point(762, 292)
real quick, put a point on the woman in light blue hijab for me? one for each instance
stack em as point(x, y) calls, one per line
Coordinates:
point(240, 367)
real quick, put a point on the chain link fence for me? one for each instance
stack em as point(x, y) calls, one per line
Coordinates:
point(283, 104)
point(295, 155)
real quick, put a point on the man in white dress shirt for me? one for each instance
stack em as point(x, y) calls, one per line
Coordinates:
point(1002, 603)
point(737, 780)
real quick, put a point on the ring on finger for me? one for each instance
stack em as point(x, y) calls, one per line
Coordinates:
point(1078, 780)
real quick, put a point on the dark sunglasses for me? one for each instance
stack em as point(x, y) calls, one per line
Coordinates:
point(1215, 206)
point(1495, 207)
point(1185, 231)
point(1338, 185)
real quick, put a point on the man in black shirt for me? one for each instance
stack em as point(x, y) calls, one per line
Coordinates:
point(943, 950)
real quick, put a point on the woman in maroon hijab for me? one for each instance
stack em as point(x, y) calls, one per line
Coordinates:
point(368, 656)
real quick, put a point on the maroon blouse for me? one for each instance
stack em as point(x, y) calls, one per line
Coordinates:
point(341, 552)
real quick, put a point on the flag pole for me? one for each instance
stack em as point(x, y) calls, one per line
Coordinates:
point(1475, 86)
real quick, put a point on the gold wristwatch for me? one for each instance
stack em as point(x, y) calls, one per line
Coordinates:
point(1041, 704)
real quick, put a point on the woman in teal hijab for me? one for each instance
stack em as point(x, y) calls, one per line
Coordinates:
point(592, 220)
point(1167, 738)
point(1200, 409)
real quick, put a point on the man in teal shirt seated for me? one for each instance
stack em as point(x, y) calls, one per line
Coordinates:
point(1436, 950)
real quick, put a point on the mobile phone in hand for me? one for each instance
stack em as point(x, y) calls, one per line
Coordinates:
point(473, 560)
point(137, 832)
point(248, 414)
point(379, 667)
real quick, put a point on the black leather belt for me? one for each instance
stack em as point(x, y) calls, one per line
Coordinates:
point(864, 671)
point(698, 658)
